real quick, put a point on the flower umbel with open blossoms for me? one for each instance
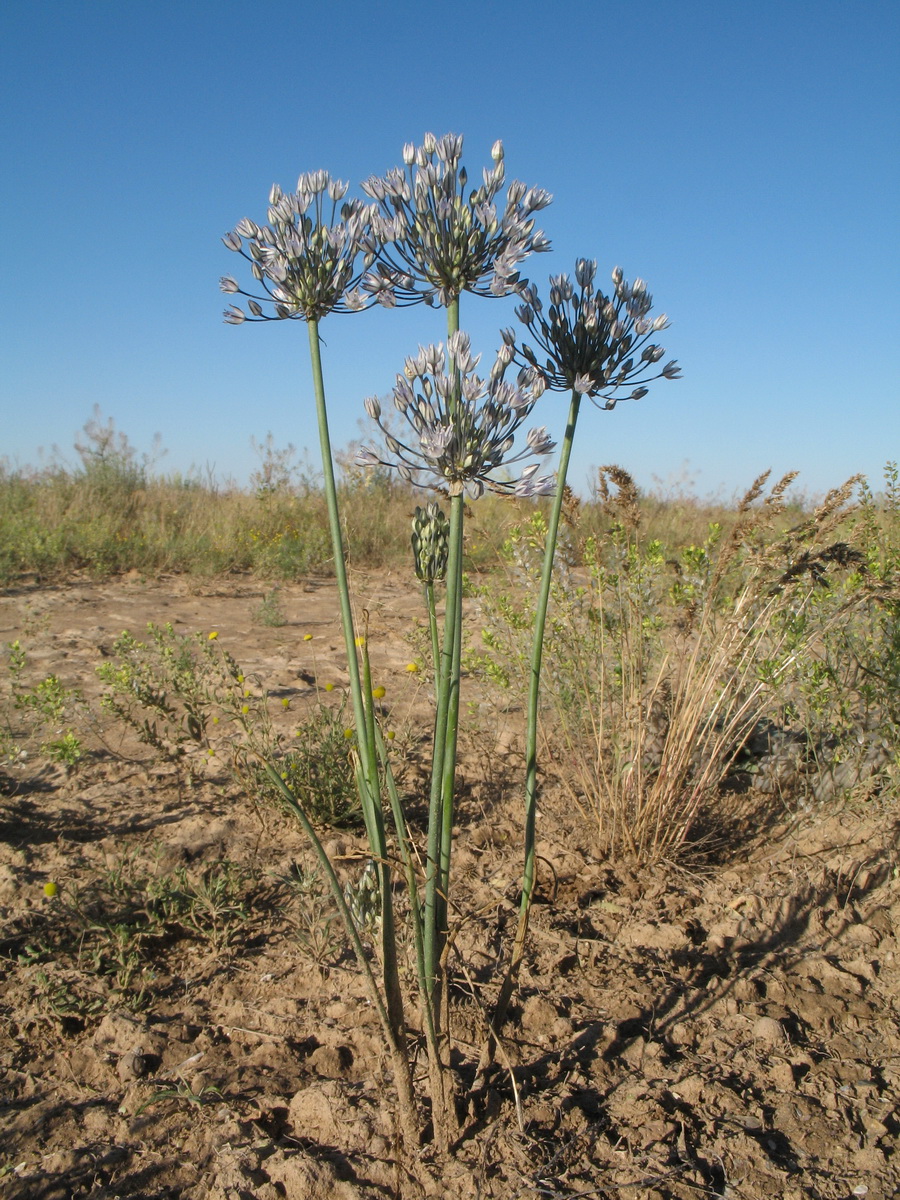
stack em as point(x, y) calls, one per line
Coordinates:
point(596, 345)
point(437, 242)
point(464, 427)
point(305, 259)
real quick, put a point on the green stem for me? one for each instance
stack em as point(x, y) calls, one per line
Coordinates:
point(439, 764)
point(531, 731)
point(340, 568)
point(367, 775)
point(441, 768)
point(537, 650)
point(433, 629)
point(412, 888)
point(448, 780)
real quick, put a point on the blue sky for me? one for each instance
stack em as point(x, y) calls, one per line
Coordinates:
point(740, 157)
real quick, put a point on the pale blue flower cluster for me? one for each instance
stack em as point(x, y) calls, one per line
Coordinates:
point(463, 426)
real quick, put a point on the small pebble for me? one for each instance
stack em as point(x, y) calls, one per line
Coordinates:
point(132, 1065)
point(767, 1029)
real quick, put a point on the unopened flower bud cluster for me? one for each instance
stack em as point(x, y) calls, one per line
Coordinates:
point(430, 542)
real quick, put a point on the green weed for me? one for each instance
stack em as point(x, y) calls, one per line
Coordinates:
point(269, 610)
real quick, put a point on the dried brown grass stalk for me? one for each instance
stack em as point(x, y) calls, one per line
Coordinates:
point(660, 685)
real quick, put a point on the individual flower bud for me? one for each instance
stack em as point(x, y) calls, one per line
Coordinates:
point(246, 228)
point(497, 151)
point(373, 408)
point(409, 153)
point(539, 440)
point(585, 269)
point(671, 370)
point(255, 308)
point(227, 284)
point(234, 315)
point(232, 241)
point(536, 198)
point(429, 143)
point(366, 458)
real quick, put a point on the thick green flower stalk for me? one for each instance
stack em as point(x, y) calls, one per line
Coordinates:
point(308, 263)
point(590, 345)
point(438, 239)
point(462, 430)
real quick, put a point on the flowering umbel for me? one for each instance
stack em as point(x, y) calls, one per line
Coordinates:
point(464, 427)
point(595, 344)
point(305, 263)
point(437, 242)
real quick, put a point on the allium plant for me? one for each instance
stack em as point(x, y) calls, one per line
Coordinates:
point(463, 430)
point(595, 345)
point(309, 266)
point(438, 241)
point(425, 237)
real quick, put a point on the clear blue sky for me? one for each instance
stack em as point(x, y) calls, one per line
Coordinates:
point(743, 158)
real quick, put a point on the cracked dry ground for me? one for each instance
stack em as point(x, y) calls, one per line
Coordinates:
point(728, 1032)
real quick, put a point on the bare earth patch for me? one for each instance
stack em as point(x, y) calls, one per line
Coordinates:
point(182, 1018)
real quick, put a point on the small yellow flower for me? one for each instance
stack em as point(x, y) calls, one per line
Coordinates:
point(348, 733)
point(245, 708)
point(412, 668)
point(329, 687)
point(246, 692)
point(215, 720)
point(240, 679)
point(360, 641)
point(378, 692)
point(307, 637)
point(50, 890)
point(210, 753)
point(213, 635)
point(285, 702)
point(390, 735)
